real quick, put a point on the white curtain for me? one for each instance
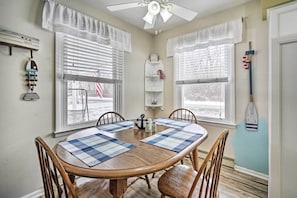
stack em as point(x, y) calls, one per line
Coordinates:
point(230, 32)
point(59, 18)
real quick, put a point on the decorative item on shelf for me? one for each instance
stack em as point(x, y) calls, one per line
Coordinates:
point(154, 101)
point(31, 78)
point(141, 119)
point(161, 74)
point(154, 58)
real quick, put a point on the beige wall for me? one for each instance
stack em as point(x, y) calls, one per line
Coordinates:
point(21, 121)
point(255, 30)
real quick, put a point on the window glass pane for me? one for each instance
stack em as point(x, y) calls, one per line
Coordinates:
point(89, 79)
point(87, 100)
point(87, 58)
point(205, 100)
point(205, 63)
point(204, 78)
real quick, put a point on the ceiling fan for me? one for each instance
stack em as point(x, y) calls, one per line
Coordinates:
point(155, 7)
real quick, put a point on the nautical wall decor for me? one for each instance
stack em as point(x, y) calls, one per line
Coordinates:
point(31, 79)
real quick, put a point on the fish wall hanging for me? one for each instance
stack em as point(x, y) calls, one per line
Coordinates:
point(31, 79)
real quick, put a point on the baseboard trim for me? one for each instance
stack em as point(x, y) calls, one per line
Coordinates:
point(251, 172)
point(35, 194)
point(227, 161)
point(230, 163)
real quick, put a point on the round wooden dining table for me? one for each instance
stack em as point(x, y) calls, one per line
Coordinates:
point(143, 159)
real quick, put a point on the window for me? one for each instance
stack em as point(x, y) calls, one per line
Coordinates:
point(204, 82)
point(88, 81)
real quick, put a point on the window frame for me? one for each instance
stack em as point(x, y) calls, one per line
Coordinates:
point(229, 93)
point(61, 91)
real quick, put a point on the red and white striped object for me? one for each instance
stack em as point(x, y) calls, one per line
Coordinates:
point(99, 86)
point(99, 89)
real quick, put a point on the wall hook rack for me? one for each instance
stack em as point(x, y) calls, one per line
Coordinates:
point(13, 39)
point(10, 48)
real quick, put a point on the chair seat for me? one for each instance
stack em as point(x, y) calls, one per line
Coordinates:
point(178, 181)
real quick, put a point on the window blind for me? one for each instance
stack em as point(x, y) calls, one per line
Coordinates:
point(89, 61)
point(206, 65)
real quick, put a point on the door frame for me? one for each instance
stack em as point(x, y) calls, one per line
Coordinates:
point(275, 111)
point(277, 37)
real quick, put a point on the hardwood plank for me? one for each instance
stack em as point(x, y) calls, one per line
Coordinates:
point(233, 184)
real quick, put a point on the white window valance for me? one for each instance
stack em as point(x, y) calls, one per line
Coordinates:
point(59, 18)
point(229, 32)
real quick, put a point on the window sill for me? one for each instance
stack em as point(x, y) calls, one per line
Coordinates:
point(65, 133)
point(217, 124)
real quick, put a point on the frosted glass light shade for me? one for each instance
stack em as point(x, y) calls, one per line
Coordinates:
point(165, 15)
point(148, 18)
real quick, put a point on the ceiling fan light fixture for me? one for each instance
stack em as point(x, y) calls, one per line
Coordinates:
point(150, 26)
point(165, 14)
point(148, 18)
point(154, 7)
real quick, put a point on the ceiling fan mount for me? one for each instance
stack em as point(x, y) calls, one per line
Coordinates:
point(155, 7)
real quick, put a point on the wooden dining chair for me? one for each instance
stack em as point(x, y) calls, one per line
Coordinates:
point(183, 181)
point(56, 181)
point(183, 114)
point(109, 118)
point(112, 117)
point(186, 115)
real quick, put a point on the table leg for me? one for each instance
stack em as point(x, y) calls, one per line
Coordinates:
point(117, 187)
point(195, 159)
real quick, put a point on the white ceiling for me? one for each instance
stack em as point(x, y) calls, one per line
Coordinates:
point(134, 15)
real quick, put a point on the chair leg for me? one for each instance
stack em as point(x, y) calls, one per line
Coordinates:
point(147, 181)
point(190, 156)
point(153, 176)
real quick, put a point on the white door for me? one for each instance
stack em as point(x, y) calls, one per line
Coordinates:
point(288, 131)
point(283, 101)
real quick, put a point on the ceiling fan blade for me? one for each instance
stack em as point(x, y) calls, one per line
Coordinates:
point(125, 6)
point(182, 12)
point(150, 26)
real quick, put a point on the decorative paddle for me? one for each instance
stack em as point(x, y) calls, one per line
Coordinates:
point(251, 115)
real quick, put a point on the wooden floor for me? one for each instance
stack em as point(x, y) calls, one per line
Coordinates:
point(233, 184)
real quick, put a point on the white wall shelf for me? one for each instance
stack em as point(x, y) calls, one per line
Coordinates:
point(154, 85)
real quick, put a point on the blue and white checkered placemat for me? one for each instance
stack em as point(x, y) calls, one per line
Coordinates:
point(172, 123)
point(172, 139)
point(117, 126)
point(95, 149)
